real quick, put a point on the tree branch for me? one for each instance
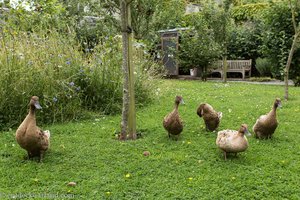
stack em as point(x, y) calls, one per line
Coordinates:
point(129, 2)
point(293, 16)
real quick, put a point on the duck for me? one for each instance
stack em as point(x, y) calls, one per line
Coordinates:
point(211, 117)
point(172, 121)
point(232, 141)
point(29, 136)
point(266, 125)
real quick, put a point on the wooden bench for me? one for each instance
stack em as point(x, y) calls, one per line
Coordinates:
point(241, 66)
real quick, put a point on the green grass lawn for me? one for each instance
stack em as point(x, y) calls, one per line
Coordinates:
point(191, 168)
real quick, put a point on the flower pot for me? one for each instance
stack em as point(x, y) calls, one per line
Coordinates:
point(193, 72)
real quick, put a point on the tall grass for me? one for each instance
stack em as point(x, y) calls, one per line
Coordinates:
point(67, 81)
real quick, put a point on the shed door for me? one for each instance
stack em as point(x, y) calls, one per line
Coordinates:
point(169, 47)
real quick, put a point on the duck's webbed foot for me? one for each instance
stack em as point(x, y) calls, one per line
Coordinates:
point(225, 156)
point(28, 157)
point(41, 156)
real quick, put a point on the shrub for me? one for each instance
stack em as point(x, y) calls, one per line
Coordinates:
point(264, 66)
point(277, 35)
point(297, 81)
point(197, 45)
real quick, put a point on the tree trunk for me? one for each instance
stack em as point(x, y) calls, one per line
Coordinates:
point(132, 114)
point(128, 124)
point(225, 67)
point(289, 61)
point(288, 65)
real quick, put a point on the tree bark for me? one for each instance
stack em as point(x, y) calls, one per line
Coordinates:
point(289, 61)
point(125, 38)
point(288, 65)
point(128, 123)
point(132, 114)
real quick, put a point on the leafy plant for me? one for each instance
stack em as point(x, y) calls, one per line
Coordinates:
point(246, 12)
point(197, 44)
point(264, 66)
point(277, 36)
point(244, 41)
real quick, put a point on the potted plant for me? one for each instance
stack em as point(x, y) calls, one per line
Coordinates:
point(196, 51)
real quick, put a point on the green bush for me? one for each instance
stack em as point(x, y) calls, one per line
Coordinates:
point(67, 82)
point(297, 81)
point(244, 40)
point(264, 66)
point(197, 44)
point(277, 36)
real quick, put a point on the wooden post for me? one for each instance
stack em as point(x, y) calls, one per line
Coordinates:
point(225, 67)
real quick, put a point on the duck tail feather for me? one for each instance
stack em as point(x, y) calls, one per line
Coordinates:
point(220, 115)
point(47, 133)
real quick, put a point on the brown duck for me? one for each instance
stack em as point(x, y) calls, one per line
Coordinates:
point(211, 117)
point(266, 125)
point(29, 136)
point(172, 121)
point(231, 141)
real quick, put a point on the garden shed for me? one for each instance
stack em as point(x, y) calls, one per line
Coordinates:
point(169, 46)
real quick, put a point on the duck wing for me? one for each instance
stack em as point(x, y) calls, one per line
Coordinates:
point(173, 123)
point(265, 125)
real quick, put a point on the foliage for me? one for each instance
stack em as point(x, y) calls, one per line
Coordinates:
point(142, 12)
point(169, 15)
point(277, 36)
point(93, 20)
point(197, 45)
point(248, 11)
point(297, 81)
point(41, 16)
point(264, 66)
point(105, 168)
point(217, 18)
point(51, 67)
point(244, 40)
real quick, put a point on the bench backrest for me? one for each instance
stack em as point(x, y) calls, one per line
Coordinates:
point(234, 64)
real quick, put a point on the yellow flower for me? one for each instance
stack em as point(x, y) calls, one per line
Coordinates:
point(128, 175)
point(189, 142)
point(190, 178)
point(108, 193)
